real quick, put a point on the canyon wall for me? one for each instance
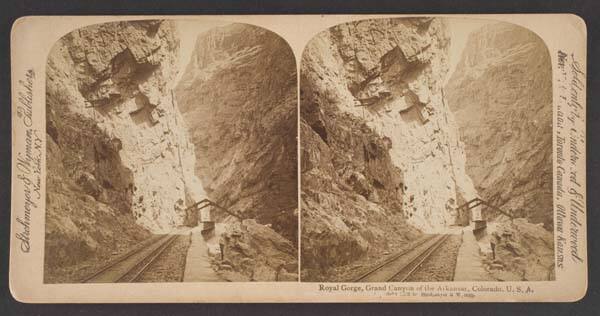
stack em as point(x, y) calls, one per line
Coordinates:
point(501, 96)
point(119, 161)
point(381, 152)
point(238, 93)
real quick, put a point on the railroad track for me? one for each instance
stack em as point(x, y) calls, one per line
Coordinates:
point(402, 265)
point(129, 267)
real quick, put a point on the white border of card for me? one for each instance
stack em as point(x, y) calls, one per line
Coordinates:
point(565, 36)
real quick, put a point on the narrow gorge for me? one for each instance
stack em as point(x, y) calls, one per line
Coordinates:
point(120, 164)
point(398, 137)
point(131, 149)
point(387, 156)
point(238, 95)
point(381, 157)
point(501, 94)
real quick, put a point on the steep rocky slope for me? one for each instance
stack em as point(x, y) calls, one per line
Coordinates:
point(381, 153)
point(238, 96)
point(118, 158)
point(501, 95)
point(523, 251)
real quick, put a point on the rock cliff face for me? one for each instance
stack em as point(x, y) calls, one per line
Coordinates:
point(523, 251)
point(239, 94)
point(118, 152)
point(380, 148)
point(255, 252)
point(501, 95)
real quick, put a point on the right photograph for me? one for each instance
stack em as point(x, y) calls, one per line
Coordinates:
point(426, 152)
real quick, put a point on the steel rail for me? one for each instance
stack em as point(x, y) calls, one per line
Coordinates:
point(121, 258)
point(393, 258)
point(144, 246)
point(420, 259)
point(152, 256)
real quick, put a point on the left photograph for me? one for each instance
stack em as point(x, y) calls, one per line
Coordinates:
point(171, 154)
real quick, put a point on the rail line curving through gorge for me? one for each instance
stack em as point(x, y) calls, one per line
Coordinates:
point(402, 265)
point(129, 267)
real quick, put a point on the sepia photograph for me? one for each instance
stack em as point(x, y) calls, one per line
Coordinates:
point(298, 158)
point(171, 154)
point(426, 152)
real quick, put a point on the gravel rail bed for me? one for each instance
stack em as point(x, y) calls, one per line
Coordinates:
point(441, 264)
point(170, 265)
